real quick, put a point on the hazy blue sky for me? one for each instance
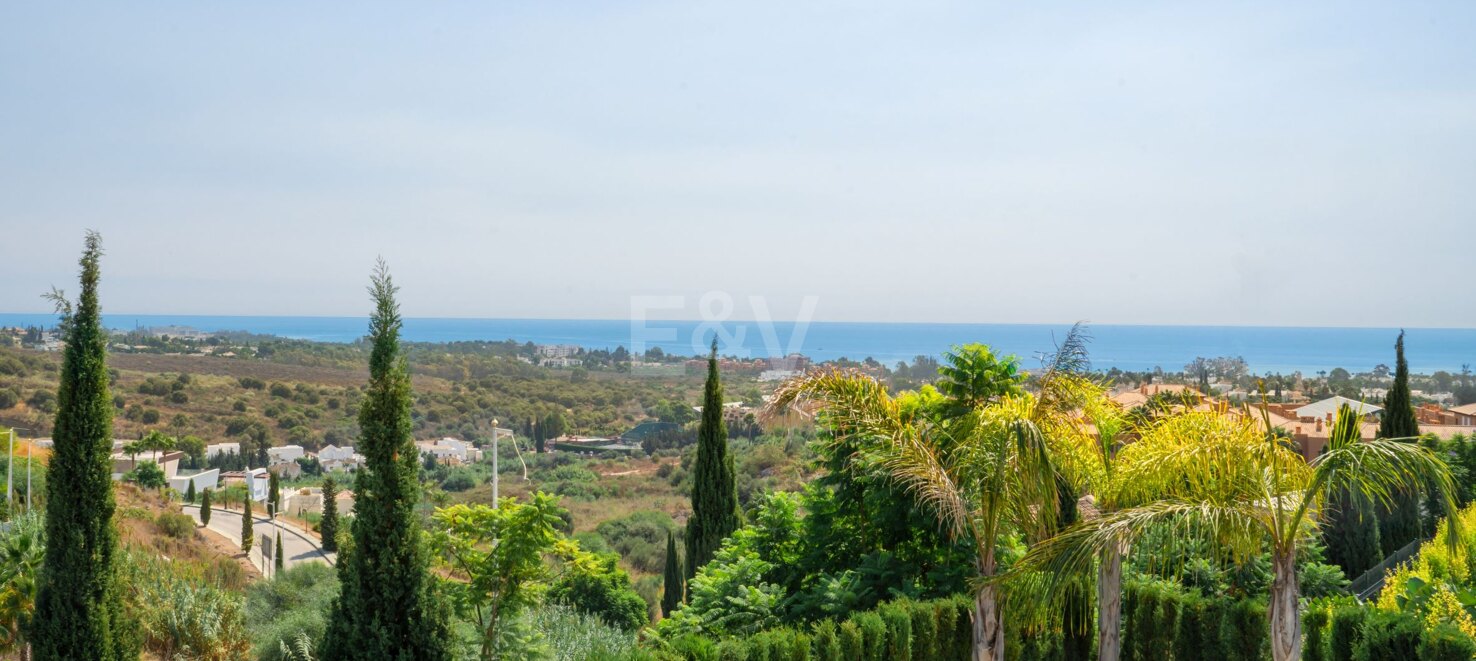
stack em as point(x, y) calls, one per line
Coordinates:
point(1277, 163)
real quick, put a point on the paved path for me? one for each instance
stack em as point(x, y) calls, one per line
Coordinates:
point(301, 546)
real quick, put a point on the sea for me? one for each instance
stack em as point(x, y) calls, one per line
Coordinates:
point(1266, 349)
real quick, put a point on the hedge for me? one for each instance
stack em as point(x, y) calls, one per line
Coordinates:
point(903, 629)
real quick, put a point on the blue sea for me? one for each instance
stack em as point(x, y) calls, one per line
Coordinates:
point(1266, 349)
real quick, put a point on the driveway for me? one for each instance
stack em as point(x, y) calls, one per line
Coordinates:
point(301, 546)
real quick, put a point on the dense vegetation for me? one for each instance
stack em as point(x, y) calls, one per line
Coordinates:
point(947, 509)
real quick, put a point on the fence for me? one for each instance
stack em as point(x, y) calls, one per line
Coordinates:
point(1368, 585)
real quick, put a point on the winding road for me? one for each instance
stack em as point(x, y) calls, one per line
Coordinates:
point(301, 546)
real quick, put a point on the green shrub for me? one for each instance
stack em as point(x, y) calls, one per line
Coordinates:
point(732, 650)
point(604, 591)
point(1314, 634)
point(696, 648)
point(1244, 631)
point(924, 631)
point(873, 635)
point(1189, 633)
point(797, 646)
point(1446, 643)
point(178, 526)
point(946, 615)
point(851, 645)
point(574, 635)
point(293, 603)
point(1388, 636)
point(1150, 619)
point(826, 642)
point(899, 630)
point(1344, 631)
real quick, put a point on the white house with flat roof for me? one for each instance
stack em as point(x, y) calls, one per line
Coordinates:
point(123, 462)
point(206, 479)
point(285, 453)
point(218, 449)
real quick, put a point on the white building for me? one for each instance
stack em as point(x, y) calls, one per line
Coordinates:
point(285, 453)
point(256, 481)
point(451, 450)
point(558, 350)
point(123, 462)
point(222, 448)
point(208, 479)
point(340, 458)
point(309, 500)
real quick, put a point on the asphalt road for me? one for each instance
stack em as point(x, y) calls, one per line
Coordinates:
point(301, 547)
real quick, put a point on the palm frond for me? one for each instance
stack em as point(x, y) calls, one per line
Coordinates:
point(1051, 564)
point(1379, 469)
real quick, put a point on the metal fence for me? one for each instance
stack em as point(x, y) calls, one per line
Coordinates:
point(1368, 585)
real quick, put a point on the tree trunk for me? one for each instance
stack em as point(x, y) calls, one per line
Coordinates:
point(1286, 623)
point(1109, 605)
point(988, 625)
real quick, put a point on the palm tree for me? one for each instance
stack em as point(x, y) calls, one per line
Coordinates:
point(1221, 475)
point(20, 563)
point(978, 456)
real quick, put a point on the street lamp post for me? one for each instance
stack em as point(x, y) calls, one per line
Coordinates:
point(495, 501)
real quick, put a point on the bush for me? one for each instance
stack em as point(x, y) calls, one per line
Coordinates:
point(574, 635)
point(640, 538)
point(1314, 633)
point(9, 398)
point(1344, 632)
point(293, 603)
point(1446, 643)
point(604, 592)
point(924, 632)
point(1388, 636)
point(826, 642)
point(899, 629)
point(1244, 631)
point(178, 526)
point(459, 480)
point(873, 635)
point(1189, 634)
point(250, 383)
point(852, 646)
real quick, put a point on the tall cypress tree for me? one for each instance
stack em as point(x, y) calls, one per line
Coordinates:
point(714, 490)
point(386, 608)
point(248, 538)
point(274, 492)
point(1401, 524)
point(205, 508)
point(79, 609)
point(278, 558)
point(672, 591)
point(328, 526)
point(190, 492)
point(1351, 529)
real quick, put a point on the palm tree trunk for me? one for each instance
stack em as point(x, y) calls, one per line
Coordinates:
point(988, 625)
point(1109, 605)
point(1286, 623)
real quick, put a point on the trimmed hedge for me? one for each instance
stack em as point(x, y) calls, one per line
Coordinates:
point(903, 629)
point(1344, 632)
point(1388, 636)
point(1447, 643)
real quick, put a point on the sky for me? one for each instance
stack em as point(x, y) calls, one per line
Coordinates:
point(1142, 163)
